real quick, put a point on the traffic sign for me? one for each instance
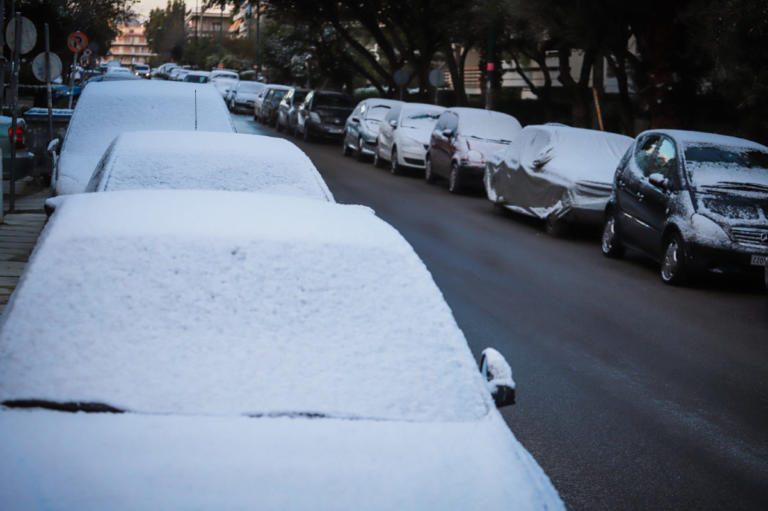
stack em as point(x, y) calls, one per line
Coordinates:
point(77, 42)
point(38, 66)
point(28, 35)
point(85, 60)
point(401, 77)
point(436, 78)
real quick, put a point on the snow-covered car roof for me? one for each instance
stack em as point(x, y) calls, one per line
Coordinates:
point(700, 137)
point(107, 109)
point(207, 161)
point(487, 123)
point(572, 153)
point(231, 303)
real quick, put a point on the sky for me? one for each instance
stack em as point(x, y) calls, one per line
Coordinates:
point(144, 6)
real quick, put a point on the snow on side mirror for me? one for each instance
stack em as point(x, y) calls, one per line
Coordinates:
point(53, 146)
point(658, 180)
point(498, 377)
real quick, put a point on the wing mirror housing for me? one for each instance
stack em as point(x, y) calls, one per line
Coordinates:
point(355, 119)
point(393, 123)
point(447, 133)
point(659, 181)
point(498, 377)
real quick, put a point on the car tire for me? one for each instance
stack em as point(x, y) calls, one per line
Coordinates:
point(377, 161)
point(394, 167)
point(454, 179)
point(359, 150)
point(610, 242)
point(674, 266)
point(305, 134)
point(278, 126)
point(429, 176)
point(345, 150)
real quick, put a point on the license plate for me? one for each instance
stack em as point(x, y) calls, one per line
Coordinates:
point(759, 260)
point(334, 130)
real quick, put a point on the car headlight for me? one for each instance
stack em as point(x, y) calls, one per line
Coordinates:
point(707, 231)
point(315, 117)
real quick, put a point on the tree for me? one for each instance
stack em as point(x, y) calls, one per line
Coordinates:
point(165, 31)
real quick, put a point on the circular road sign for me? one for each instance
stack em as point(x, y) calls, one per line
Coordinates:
point(28, 35)
point(436, 78)
point(85, 60)
point(401, 77)
point(38, 66)
point(77, 42)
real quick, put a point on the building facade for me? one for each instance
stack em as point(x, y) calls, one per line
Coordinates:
point(130, 46)
point(208, 23)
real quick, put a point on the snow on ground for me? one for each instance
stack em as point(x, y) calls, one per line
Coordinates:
point(234, 303)
point(107, 109)
point(214, 161)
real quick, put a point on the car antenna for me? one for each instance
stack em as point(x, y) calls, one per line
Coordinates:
point(195, 109)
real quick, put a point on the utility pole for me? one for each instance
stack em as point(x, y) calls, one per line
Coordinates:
point(258, 44)
point(15, 60)
point(221, 34)
point(490, 68)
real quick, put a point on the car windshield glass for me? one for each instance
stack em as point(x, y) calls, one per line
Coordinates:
point(332, 101)
point(377, 113)
point(498, 127)
point(726, 167)
point(278, 94)
point(420, 118)
point(196, 78)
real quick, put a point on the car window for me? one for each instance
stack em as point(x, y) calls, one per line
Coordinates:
point(644, 153)
point(452, 122)
point(666, 159)
point(393, 114)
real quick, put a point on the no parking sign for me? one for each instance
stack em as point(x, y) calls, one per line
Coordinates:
point(77, 42)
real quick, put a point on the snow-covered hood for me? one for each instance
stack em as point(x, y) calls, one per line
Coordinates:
point(484, 147)
point(733, 208)
point(57, 460)
point(419, 134)
point(246, 96)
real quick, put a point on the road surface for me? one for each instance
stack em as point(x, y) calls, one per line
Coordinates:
point(631, 394)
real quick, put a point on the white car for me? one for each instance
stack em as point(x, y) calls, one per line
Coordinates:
point(107, 109)
point(243, 97)
point(229, 350)
point(403, 137)
point(205, 160)
point(224, 80)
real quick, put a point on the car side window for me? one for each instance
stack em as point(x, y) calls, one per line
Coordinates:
point(101, 167)
point(666, 159)
point(452, 122)
point(644, 154)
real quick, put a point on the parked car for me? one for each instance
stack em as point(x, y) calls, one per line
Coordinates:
point(224, 80)
point(362, 126)
point(693, 201)
point(244, 96)
point(107, 109)
point(141, 70)
point(404, 136)
point(270, 102)
point(461, 141)
point(205, 160)
point(286, 111)
point(197, 77)
point(559, 174)
point(212, 350)
point(165, 69)
point(115, 73)
point(322, 114)
point(24, 165)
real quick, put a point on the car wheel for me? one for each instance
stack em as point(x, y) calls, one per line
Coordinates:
point(305, 133)
point(377, 162)
point(429, 177)
point(345, 150)
point(610, 243)
point(490, 193)
point(454, 179)
point(394, 167)
point(555, 226)
point(673, 262)
point(359, 151)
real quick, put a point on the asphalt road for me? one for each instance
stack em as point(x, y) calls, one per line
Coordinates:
point(631, 394)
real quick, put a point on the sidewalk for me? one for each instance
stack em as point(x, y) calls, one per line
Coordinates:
point(18, 235)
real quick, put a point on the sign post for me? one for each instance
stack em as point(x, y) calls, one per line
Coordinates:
point(16, 21)
point(437, 79)
point(401, 77)
point(76, 42)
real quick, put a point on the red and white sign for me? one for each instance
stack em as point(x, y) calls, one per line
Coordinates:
point(490, 66)
point(77, 42)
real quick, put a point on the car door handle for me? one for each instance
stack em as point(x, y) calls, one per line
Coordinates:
point(640, 197)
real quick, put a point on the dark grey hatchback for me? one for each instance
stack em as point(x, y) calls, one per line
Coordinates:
point(694, 201)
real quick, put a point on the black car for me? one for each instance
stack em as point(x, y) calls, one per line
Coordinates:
point(323, 114)
point(693, 201)
point(271, 101)
point(286, 112)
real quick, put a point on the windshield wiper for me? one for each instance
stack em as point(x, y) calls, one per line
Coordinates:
point(733, 185)
point(66, 406)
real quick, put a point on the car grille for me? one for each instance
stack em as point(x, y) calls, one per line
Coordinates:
point(414, 161)
point(751, 236)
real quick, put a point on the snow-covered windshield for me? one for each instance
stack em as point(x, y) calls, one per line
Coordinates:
point(377, 113)
point(488, 125)
point(728, 167)
point(224, 76)
point(421, 119)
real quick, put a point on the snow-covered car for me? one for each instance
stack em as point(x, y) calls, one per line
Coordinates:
point(270, 103)
point(205, 160)
point(141, 70)
point(107, 109)
point(362, 126)
point(243, 97)
point(462, 140)
point(404, 136)
point(212, 350)
point(286, 111)
point(197, 77)
point(115, 73)
point(224, 80)
point(560, 174)
point(693, 201)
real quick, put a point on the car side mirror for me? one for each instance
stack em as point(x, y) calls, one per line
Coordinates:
point(355, 119)
point(659, 181)
point(447, 133)
point(53, 146)
point(393, 123)
point(498, 376)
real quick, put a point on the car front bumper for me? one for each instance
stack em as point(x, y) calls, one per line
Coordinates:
point(727, 259)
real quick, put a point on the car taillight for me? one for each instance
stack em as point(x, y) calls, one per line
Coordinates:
point(19, 137)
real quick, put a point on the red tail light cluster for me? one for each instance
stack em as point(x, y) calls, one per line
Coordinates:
point(19, 137)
